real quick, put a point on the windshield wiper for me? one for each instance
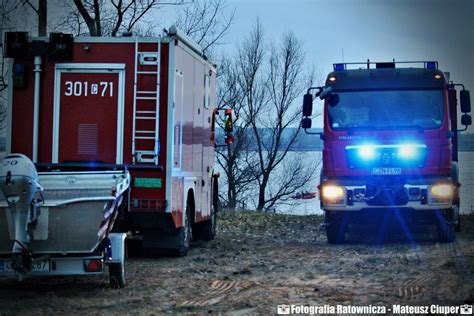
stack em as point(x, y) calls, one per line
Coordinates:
point(351, 130)
point(419, 128)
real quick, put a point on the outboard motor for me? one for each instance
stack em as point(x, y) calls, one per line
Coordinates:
point(20, 187)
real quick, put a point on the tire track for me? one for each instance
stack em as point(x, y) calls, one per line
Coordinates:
point(219, 291)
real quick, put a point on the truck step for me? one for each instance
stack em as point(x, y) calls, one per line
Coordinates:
point(143, 72)
point(148, 92)
point(145, 118)
point(145, 131)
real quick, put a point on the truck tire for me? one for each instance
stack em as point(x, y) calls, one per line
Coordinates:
point(184, 236)
point(206, 230)
point(457, 202)
point(446, 227)
point(172, 242)
point(336, 231)
point(116, 275)
point(457, 226)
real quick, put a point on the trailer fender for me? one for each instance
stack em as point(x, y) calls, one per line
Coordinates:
point(117, 248)
point(115, 259)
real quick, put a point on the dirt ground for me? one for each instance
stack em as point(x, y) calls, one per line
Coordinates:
point(258, 261)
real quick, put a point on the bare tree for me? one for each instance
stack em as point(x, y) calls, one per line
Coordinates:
point(107, 18)
point(206, 22)
point(231, 158)
point(273, 82)
point(10, 11)
point(264, 82)
point(41, 10)
point(244, 82)
point(7, 12)
point(286, 83)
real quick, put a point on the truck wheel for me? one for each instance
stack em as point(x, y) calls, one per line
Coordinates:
point(456, 209)
point(457, 202)
point(206, 230)
point(336, 232)
point(457, 227)
point(446, 227)
point(116, 275)
point(184, 237)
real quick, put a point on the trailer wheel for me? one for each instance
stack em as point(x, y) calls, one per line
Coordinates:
point(446, 226)
point(336, 231)
point(116, 275)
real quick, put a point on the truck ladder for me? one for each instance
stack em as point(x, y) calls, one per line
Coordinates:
point(145, 136)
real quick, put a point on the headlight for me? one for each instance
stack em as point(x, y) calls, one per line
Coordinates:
point(441, 194)
point(366, 152)
point(410, 151)
point(333, 195)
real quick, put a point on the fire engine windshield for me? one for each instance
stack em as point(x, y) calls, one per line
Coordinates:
point(387, 110)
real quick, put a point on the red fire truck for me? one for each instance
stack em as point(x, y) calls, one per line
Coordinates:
point(390, 147)
point(146, 105)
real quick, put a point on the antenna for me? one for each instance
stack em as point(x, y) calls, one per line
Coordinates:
point(342, 50)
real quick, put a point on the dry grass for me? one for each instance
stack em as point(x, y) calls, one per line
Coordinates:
point(258, 261)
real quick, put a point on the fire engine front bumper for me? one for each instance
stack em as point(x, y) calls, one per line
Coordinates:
point(354, 195)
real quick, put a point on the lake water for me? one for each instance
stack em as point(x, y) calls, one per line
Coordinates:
point(466, 165)
point(306, 207)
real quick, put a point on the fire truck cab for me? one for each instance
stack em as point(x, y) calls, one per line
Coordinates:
point(390, 146)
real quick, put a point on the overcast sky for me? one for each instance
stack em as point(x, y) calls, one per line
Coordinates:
point(441, 30)
point(407, 30)
point(380, 30)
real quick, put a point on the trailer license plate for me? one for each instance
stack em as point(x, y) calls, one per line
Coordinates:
point(38, 266)
point(386, 171)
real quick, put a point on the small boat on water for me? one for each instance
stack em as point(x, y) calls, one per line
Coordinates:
point(305, 195)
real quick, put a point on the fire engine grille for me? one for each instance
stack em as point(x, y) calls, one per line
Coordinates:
point(87, 139)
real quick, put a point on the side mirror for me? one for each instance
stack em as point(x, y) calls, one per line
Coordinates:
point(308, 104)
point(466, 120)
point(325, 93)
point(465, 101)
point(333, 100)
point(306, 123)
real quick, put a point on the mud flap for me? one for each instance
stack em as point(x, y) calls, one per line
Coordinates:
point(156, 239)
point(115, 259)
